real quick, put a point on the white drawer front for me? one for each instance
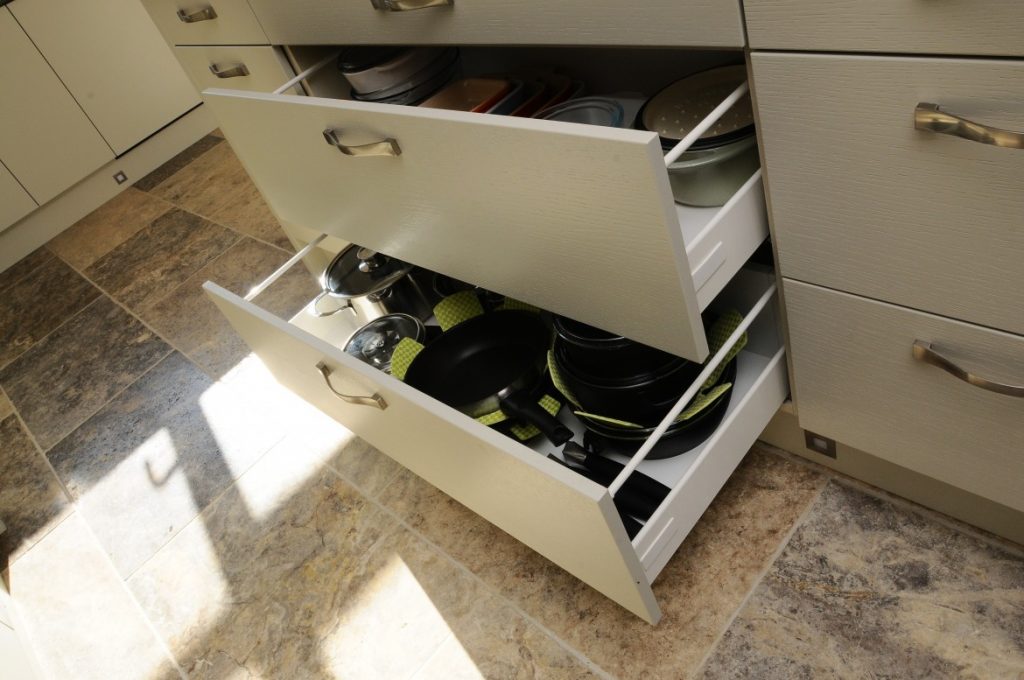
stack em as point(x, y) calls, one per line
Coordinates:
point(863, 202)
point(712, 23)
point(265, 68)
point(982, 27)
point(558, 513)
point(857, 381)
point(234, 23)
point(576, 219)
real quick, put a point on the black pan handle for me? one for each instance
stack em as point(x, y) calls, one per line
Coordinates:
point(632, 526)
point(522, 406)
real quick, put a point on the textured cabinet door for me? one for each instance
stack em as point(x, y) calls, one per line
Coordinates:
point(863, 202)
point(45, 139)
point(113, 60)
point(15, 202)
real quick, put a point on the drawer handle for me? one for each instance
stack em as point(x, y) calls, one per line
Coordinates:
point(376, 400)
point(205, 14)
point(388, 147)
point(408, 5)
point(932, 118)
point(923, 351)
point(229, 71)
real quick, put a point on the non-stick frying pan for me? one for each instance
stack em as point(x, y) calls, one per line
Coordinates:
point(491, 361)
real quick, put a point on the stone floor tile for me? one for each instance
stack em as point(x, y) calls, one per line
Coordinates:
point(107, 227)
point(190, 320)
point(181, 160)
point(150, 460)
point(6, 407)
point(148, 266)
point(23, 267)
point(75, 370)
point(866, 588)
point(217, 187)
point(79, 618)
point(31, 499)
point(260, 581)
point(37, 304)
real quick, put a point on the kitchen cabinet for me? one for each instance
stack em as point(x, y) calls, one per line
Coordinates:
point(46, 141)
point(209, 22)
point(576, 219)
point(112, 59)
point(15, 202)
point(258, 68)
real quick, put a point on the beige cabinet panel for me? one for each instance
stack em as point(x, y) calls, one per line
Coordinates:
point(708, 23)
point(856, 381)
point(45, 139)
point(15, 202)
point(206, 22)
point(111, 57)
point(981, 27)
point(265, 68)
point(863, 202)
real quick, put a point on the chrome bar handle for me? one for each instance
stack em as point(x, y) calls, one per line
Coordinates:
point(387, 147)
point(376, 400)
point(932, 118)
point(233, 71)
point(205, 14)
point(924, 351)
point(408, 5)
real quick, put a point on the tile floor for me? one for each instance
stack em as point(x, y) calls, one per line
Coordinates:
point(172, 512)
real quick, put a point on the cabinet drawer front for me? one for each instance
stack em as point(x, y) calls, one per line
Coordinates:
point(857, 381)
point(576, 219)
point(863, 202)
point(981, 27)
point(558, 513)
point(234, 23)
point(713, 23)
point(265, 68)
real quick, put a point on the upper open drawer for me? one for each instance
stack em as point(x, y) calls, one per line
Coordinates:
point(576, 219)
point(707, 23)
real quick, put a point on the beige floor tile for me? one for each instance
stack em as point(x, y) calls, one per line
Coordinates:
point(6, 407)
point(31, 499)
point(107, 227)
point(216, 186)
point(81, 621)
point(867, 588)
point(190, 321)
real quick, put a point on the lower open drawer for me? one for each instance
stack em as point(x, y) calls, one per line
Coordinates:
point(557, 512)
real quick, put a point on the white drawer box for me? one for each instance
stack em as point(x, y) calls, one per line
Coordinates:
point(562, 515)
point(857, 380)
point(981, 27)
point(206, 22)
point(254, 68)
point(704, 23)
point(575, 219)
point(864, 202)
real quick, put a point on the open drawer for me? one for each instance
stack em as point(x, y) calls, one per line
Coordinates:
point(576, 219)
point(560, 514)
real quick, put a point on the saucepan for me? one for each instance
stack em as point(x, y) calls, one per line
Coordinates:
point(372, 285)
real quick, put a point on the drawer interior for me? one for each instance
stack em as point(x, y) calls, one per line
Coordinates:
point(542, 211)
point(694, 476)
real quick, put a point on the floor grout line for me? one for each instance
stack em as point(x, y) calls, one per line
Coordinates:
point(783, 544)
point(64, 322)
point(577, 654)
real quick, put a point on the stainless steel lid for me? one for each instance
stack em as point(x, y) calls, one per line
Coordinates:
point(358, 271)
point(677, 109)
point(375, 342)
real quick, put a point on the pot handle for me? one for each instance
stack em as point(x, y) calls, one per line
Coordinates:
point(316, 309)
point(519, 405)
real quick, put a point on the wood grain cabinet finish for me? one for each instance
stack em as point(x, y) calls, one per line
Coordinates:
point(864, 202)
point(857, 381)
point(46, 141)
point(112, 59)
point(206, 22)
point(975, 27)
point(263, 67)
point(697, 23)
point(15, 202)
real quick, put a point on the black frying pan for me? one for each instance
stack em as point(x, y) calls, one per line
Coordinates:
point(490, 362)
